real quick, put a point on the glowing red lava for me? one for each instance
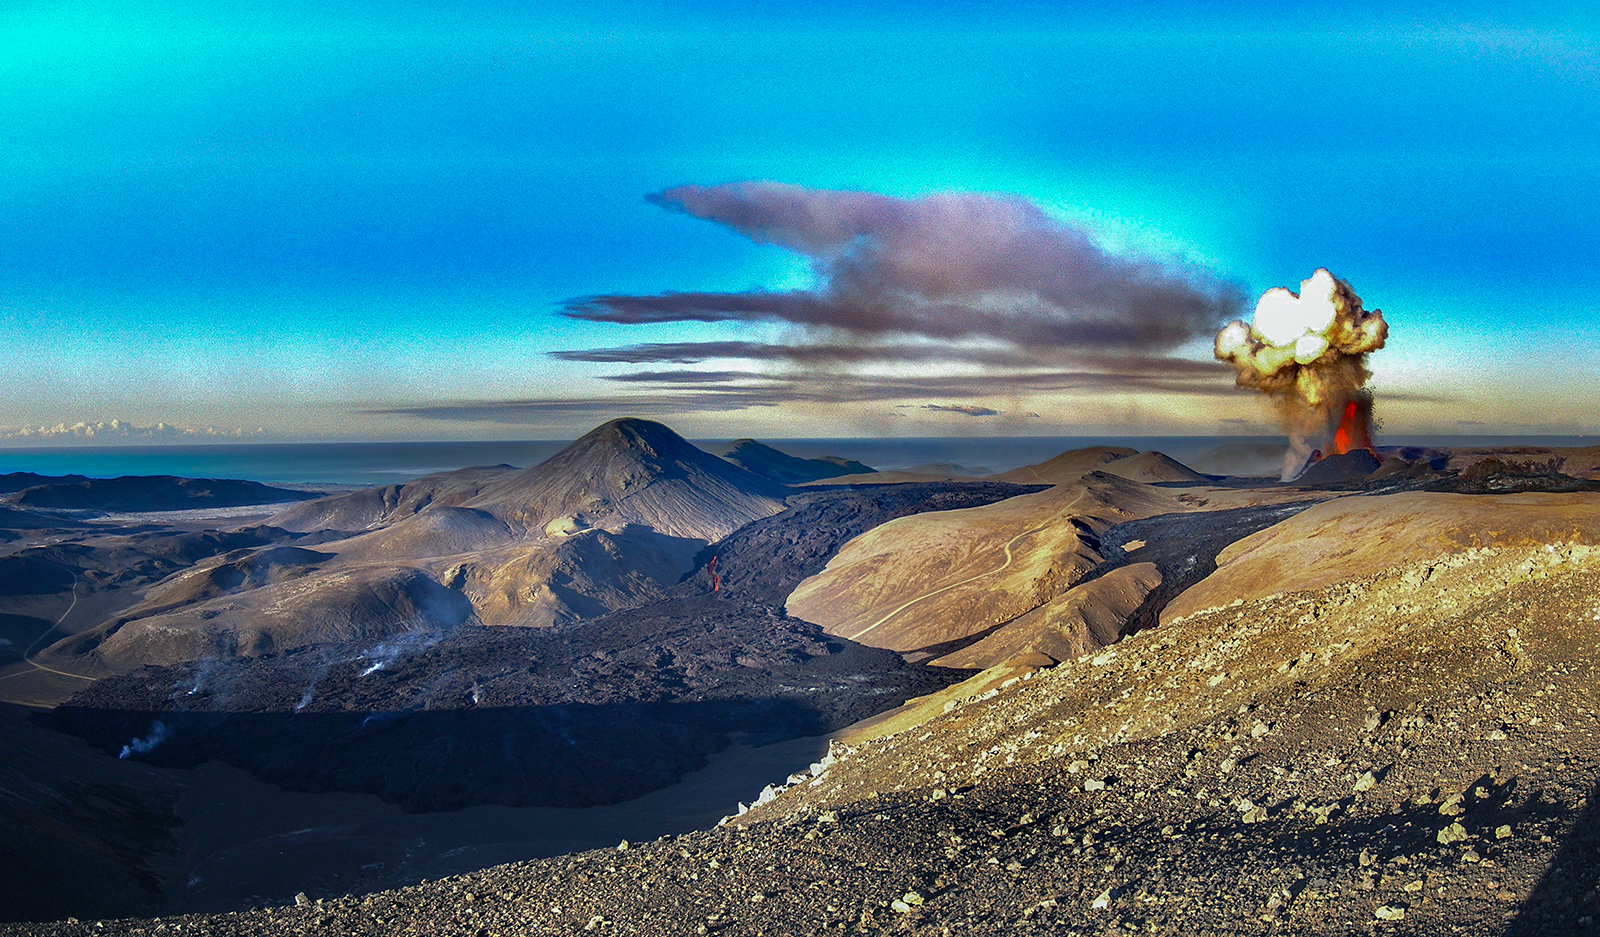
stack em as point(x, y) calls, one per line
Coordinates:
point(1355, 429)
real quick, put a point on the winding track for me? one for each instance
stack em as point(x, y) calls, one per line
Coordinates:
point(954, 585)
point(942, 589)
point(27, 655)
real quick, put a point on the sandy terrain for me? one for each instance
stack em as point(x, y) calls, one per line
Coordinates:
point(919, 582)
point(1356, 536)
point(937, 582)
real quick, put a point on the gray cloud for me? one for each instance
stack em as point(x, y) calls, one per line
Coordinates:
point(945, 267)
point(963, 409)
point(670, 352)
point(542, 409)
point(986, 295)
point(830, 354)
point(713, 392)
point(680, 377)
point(823, 353)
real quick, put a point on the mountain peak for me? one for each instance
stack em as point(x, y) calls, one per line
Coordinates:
point(633, 432)
point(635, 471)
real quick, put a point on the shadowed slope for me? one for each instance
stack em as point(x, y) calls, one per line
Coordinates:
point(76, 831)
point(781, 467)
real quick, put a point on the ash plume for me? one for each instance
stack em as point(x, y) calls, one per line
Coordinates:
point(1309, 351)
point(945, 266)
point(987, 281)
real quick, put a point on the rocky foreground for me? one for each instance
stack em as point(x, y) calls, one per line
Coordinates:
point(1411, 751)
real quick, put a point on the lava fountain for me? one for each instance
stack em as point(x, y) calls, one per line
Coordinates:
point(1355, 427)
point(1308, 351)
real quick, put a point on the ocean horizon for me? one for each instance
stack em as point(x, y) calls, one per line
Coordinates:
point(384, 463)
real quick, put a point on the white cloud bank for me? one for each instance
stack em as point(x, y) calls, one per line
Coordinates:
point(121, 430)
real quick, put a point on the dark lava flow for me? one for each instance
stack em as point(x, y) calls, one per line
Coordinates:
point(1183, 547)
point(589, 712)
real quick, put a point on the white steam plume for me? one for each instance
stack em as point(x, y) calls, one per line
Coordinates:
point(1309, 351)
point(159, 732)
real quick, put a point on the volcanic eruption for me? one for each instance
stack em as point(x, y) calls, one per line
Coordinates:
point(1308, 350)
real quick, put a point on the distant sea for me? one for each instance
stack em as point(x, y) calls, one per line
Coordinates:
point(383, 463)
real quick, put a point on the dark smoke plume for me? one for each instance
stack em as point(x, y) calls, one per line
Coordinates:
point(986, 286)
point(947, 267)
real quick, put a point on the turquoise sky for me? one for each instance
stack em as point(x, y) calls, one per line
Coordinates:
point(364, 221)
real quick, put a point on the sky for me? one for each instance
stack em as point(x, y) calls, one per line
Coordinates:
point(296, 221)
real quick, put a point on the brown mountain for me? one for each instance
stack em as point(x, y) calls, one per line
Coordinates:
point(609, 522)
point(1066, 467)
point(633, 472)
point(1152, 467)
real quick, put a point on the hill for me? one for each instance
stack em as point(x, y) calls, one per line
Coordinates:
point(1066, 467)
point(633, 472)
point(1358, 536)
point(781, 467)
point(16, 481)
point(1337, 469)
point(374, 507)
point(926, 581)
point(145, 493)
point(1152, 467)
point(1040, 574)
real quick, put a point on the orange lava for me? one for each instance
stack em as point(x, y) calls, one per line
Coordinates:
point(1354, 430)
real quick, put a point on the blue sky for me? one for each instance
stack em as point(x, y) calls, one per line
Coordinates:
point(365, 223)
